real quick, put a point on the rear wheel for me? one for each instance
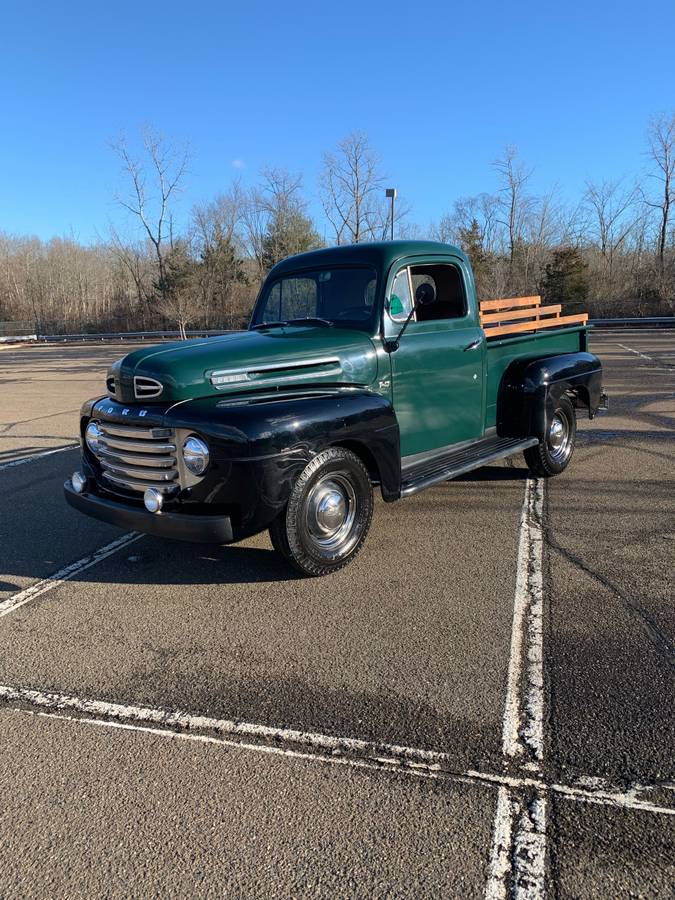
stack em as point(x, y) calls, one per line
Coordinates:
point(552, 455)
point(328, 514)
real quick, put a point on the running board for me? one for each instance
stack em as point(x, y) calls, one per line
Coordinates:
point(457, 462)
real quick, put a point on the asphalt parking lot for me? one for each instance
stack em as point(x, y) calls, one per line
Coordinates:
point(481, 706)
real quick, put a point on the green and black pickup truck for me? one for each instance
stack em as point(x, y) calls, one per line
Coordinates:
point(363, 366)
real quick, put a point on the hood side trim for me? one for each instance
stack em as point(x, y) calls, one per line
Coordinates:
point(329, 365)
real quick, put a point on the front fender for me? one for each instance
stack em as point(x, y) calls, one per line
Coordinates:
point(530, 388)
point(259, 445)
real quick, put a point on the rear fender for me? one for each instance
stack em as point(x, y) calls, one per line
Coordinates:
point(530, 389)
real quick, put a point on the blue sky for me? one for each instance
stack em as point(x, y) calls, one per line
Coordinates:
point(439, 88)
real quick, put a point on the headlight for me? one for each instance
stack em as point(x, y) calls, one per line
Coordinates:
point(195, 455)
point(92, 436)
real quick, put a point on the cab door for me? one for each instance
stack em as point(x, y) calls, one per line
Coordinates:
point(438, 368)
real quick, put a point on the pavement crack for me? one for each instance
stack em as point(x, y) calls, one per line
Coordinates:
point(661, 642)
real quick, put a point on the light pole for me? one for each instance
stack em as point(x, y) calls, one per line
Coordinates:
point(391, 193)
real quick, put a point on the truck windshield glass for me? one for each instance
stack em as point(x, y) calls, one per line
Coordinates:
point(342, 295)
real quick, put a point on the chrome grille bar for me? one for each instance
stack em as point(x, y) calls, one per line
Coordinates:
point(127, 444)
point(138, 457)
point(141, 474)
point(135, 431)
point(141, 486)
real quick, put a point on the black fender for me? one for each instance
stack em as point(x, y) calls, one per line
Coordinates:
point(530, 388)
point(259, 445)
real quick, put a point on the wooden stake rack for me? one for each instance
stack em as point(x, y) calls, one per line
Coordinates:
point(515, 315)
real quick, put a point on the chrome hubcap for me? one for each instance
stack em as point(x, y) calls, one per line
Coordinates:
point(331, 511)
point(559, 437)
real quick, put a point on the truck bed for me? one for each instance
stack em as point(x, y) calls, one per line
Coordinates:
point(501, 352)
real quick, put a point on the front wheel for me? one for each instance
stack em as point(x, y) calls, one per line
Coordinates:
point(328, 514)
point(552, 455)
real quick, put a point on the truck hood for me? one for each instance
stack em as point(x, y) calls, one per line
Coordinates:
point(245, 361)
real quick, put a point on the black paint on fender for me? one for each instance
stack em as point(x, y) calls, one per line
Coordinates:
point(530, 388)
point(258, 446)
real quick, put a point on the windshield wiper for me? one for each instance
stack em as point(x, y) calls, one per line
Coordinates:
point(311, 320)
point(268, 325)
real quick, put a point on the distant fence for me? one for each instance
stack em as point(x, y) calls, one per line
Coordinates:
point(25, 331)
point(654, 322)
point(644, 322)
point(17, 331)
point(130, 336)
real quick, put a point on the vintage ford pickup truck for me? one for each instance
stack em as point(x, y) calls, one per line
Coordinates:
point(367, 365)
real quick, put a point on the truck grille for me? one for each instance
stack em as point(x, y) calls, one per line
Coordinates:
point(138, 458)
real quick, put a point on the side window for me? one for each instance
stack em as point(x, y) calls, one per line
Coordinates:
point(400, 302)
point(445, 285)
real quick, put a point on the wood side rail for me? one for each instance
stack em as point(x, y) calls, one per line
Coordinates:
point(504, 316)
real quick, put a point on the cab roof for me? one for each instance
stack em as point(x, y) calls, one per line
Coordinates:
point(381, 254)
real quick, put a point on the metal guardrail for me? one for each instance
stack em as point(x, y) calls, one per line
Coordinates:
point(129, 335)
point(5, 337)
point(18, 338)
point(642, 322)
point(12, 330)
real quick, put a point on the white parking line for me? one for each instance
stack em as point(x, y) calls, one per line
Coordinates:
point(500, 858)
point(518, 854)
point(523, 723)
point(429, 759)
point(66, 573)
point(636, 352)
point(26, 459)
point(514, 793)
point(651, 359)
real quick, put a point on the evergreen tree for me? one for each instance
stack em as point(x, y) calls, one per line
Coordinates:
point(565, 281)
point(471, 242)
point(176, 289)
point(289, 231)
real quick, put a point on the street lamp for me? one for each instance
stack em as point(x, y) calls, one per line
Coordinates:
point(391, 193)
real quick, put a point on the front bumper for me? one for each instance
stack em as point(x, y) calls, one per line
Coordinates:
point(177, 526)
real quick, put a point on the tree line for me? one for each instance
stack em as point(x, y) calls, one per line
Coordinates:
point(612, 252)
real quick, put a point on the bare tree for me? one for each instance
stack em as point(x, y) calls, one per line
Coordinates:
point(217, 242)
point(133, 257)
point(608, 203)
point(483, 209)
point(277, 198)
point(155, 180)
point(352, 191)
point(515, 205)
point(275, 218)
point(221, 218)
point(661, 140)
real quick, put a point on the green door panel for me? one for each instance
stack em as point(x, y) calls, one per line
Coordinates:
point(438, 385)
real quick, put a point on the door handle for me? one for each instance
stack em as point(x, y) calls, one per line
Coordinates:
point(474, 345)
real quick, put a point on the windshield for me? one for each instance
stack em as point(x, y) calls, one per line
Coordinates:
point(343, 296)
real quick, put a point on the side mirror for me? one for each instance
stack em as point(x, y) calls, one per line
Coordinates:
point(424, 295)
